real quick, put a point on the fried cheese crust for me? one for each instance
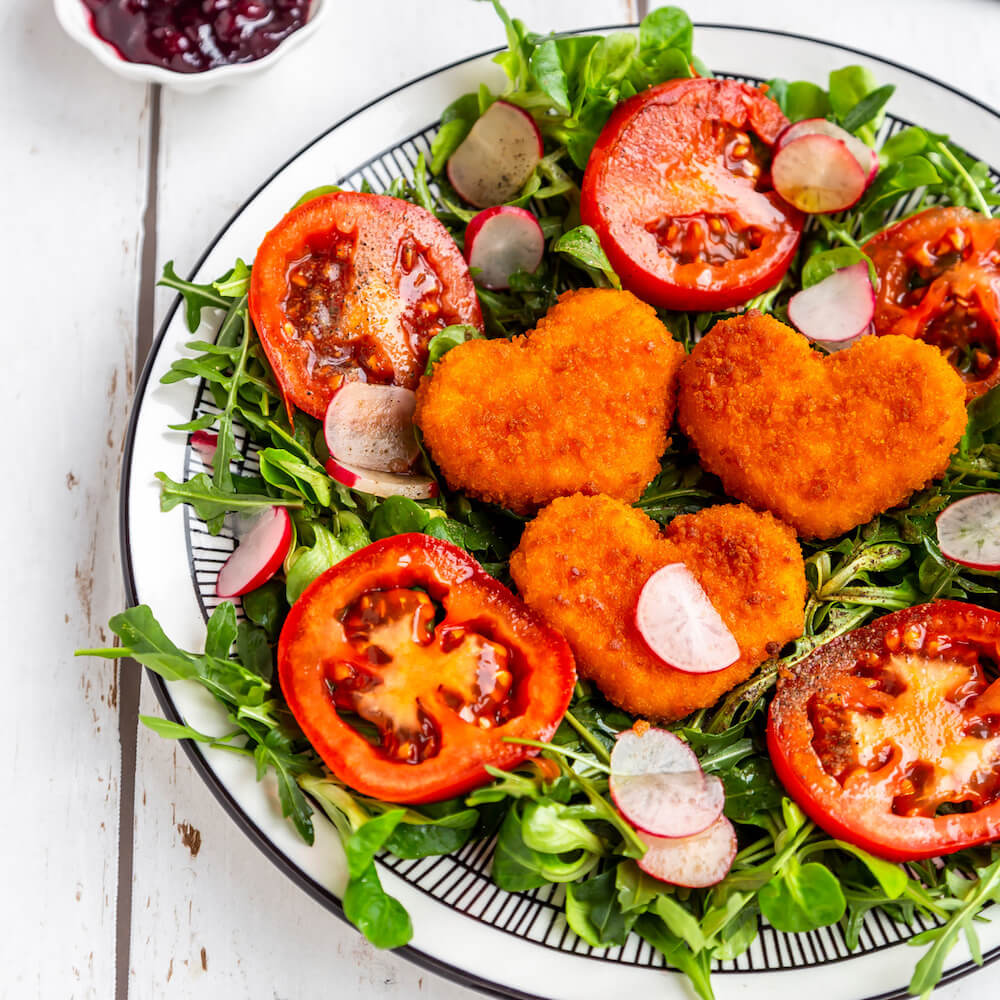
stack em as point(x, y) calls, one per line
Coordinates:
point(583, 561)
point(826, 443)
point(581, 404)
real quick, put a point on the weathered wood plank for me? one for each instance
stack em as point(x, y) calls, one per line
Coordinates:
point(73, 161)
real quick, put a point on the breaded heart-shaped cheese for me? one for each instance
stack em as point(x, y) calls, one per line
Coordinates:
point(581, 404)
point(583, 561)
point(825, 442)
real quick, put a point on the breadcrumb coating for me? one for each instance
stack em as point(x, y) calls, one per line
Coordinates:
point(581, 404)
point(583, 561)
point(826, 443)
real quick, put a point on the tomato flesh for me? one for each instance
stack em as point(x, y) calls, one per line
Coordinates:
point(939, 281)
point(889, 737)
point(353, 286)
point(412, 637)
point(678, 189)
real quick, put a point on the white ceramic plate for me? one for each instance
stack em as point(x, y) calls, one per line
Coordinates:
point(464, 927)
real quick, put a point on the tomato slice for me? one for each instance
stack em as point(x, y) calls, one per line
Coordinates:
point(678, 188)
point(412, 637)
point(939, 281)
point(353, 286)
point(889, 737)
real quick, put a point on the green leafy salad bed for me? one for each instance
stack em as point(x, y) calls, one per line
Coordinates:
point(552, 817)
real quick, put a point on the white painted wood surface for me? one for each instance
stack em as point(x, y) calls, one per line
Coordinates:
point(73, 163)
point(210, 917)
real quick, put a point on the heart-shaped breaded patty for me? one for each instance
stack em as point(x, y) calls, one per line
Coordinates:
point(825, 442)
point(583, 561)
point(582, 404)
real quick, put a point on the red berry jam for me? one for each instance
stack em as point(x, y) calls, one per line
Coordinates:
point(190, 36)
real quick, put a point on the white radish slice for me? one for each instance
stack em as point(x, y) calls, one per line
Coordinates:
point(658, 785)
point(839, 308)
point(696, 862)
point(969, 531)
point(679, 625)
point(258, 556)
point(866, 156)
point(381, 484)
point(502, 240)
point(371, 426)
point(497, 156)
point(818, 174)
point(206, 445)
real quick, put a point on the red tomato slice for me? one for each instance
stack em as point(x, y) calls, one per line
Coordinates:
point(939, 281)
point(678, 189)
point(353, 286)
point(889, 737)
point(414, 638)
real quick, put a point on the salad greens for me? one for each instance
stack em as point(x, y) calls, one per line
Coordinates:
point(552, 817)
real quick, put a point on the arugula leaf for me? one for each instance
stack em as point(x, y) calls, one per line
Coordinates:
point(210, 503)
point(236, 284)
point(196, 297)
point(288, 473)
point(969, 899)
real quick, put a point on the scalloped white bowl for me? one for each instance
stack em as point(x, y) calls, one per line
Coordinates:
point(75, 20)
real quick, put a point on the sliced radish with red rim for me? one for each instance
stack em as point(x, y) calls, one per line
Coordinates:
point(381, 484)
point(371, 426)
point(658, 785)
point(818, 174)
point(866, 156)
point(500, 241)
point(969, 531)
point(497, 156)
point(679, 625)
point(837, 309)
point(206, 445)
point(695, 862)
point(258, 555)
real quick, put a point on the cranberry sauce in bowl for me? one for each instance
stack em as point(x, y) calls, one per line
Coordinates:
point(191, 36)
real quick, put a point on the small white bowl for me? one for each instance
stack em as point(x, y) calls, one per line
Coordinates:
point(75, 19)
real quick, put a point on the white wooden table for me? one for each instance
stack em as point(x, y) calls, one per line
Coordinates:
point(103, 181)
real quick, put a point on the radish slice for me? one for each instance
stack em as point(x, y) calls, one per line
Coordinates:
point(497, 156)
point(969, 531)
point(659, 787)
point(502, 240)
point(382, 484)
point(838, 308)
point(696, 862)
point(679, 625)
point(817, 174)
point(206, 445)
point(258, 556)
point(866, 156)
point(371, 426)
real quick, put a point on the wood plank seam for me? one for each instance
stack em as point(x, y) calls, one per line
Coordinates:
point(130, 673)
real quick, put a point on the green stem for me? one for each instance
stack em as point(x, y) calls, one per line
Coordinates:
point(977, 195)
point(562, 751)
point(588, 737)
